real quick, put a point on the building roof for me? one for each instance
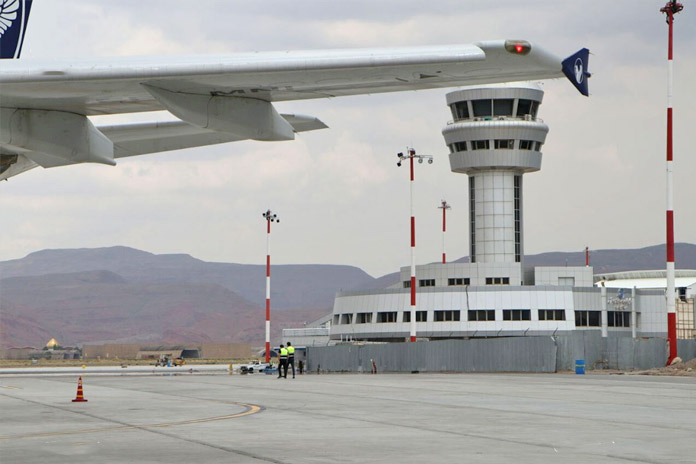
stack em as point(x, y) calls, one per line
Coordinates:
point(645, 279)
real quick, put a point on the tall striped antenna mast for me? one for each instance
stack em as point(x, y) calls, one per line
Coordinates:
point(444, 206)
point(670, 9)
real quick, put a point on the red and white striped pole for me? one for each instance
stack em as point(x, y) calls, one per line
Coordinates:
point(412, 156)
point(444, 208)
point(670, 9)
point(270, 217)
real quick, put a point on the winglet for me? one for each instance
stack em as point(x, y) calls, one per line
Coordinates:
point(14, 16)
point(575, 69)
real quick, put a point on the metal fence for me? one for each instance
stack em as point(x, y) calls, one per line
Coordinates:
point(514, 354)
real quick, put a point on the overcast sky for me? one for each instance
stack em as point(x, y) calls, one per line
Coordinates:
point(339, 193)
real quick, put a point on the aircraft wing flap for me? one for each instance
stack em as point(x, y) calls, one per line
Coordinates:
point(154, 137)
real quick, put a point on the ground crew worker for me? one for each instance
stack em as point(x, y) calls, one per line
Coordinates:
point(291, 359)
point(283, 362)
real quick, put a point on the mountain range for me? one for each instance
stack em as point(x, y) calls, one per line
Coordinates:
point(121, 294)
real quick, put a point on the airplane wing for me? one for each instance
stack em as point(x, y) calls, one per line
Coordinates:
point(45, 104)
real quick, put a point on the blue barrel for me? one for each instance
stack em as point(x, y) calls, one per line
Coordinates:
point(580, 366)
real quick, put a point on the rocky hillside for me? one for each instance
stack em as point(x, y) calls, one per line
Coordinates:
point(120, 294)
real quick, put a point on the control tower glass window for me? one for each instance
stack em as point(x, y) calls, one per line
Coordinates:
point(472, 218)
point(482, 108)
point(502, 107)
point(480, 144)
point(525, 107)
point(504, 144)
point(460, 110)
point(526, 144)
point(518, 220)
point(459, 146)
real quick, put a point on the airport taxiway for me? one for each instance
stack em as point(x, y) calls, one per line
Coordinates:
point(348, 418)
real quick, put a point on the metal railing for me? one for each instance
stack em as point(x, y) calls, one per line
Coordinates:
point(526, 117)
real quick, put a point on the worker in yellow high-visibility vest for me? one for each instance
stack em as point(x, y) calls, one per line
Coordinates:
point(291, 358)
point(283, 362)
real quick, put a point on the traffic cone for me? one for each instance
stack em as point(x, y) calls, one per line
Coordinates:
point(80, 395)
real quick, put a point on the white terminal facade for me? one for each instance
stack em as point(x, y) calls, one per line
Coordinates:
point(496, 138)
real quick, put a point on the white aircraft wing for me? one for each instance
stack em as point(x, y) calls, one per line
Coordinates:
point(122, 85)
point(45, 104)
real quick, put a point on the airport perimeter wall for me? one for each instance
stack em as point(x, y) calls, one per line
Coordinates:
point(513, 354)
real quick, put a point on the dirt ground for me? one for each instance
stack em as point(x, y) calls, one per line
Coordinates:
point(682, 369)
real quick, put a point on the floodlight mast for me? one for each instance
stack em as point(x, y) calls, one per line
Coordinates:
point(411, 156)
point(444, 206)
point(670, 9)
point(270, 217)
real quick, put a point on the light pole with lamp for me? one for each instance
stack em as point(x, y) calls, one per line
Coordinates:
point(411, 156)
point(269, 217)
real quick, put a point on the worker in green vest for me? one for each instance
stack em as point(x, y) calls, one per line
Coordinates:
point(291, 358)
point(283, 362)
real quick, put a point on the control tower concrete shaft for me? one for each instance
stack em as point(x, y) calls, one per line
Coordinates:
point(495, 138)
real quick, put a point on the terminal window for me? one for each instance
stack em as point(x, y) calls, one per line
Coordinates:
point(618, 319)
point(497, 281)
point(387, 316)
point(552, 315)
point(363, 318)
point(517, 314)
point(421, 316)
point(481, 314)
point(588, 319)
point(407, 284)
point(426, 282)
point(346, 318)
point(458, 281)
point(446, 315)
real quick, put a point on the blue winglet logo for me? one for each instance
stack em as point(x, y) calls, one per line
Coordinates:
point(575, 69)
point(14, 15)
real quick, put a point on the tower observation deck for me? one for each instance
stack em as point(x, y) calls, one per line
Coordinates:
point(495, 138)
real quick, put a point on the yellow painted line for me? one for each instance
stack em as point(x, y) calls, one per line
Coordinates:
point(10, 387)
point(251, 409)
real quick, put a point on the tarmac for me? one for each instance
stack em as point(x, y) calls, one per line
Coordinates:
point(348, 418)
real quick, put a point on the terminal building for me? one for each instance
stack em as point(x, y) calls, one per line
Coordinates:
point(495, 138)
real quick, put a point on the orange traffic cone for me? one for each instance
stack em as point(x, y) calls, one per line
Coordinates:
point(80, 395)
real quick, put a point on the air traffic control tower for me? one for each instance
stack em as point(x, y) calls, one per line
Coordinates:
point(495, 137)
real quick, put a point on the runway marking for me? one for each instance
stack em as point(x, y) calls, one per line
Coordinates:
point(250, 409)
point(10, 387)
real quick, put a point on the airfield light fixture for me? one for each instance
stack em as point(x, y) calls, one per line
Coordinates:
point(411, 156)
point(269, 216)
